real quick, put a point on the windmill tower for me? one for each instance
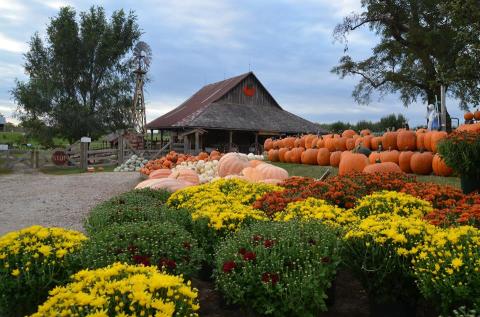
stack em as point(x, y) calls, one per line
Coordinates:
point(142, 55)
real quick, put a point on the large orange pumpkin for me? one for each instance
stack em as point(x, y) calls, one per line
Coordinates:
point(366, 141)
point(404, 161)
point(281, 154)
point(297, 142)
point(476, 115)
point(270, 171)
point(387, 167)
point(474, 127)
point(289, 142)
point(267, 145)
point(287, 156)
point(365, 132)
point(273, 155)
point(277, 144)
point(350, 143)
point(389, 156)
point(420, 135)
point(296, 155)
point(335, 158)
point(330, 144)
point(160, 173)
point(389, 140)
point(468, 116)
point(375, 143)
point(187, 175)
point(427, 140)
point(406, 140)
point(421, 163)
point(255, 163)
point(314, 142)
point(231, 163)
point(436, 137)
point(252, 174)
point(309, 140)
point(170, 184)
point(440, 168)
point(309, 156)
point(323, 157)
point(348, 133)
point(374, 157)
point(320, 143)
point(341, 144)
point(352, 162)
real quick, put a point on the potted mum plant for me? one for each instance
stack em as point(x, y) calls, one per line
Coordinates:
point(461, 151)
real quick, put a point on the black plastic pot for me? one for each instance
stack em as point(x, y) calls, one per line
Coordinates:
point(469, 184)
point(392, 309)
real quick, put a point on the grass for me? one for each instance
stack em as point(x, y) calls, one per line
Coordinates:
point(316, 171)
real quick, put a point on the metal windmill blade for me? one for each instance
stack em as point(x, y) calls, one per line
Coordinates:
point(143, 54)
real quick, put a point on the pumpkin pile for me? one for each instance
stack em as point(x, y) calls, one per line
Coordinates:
point(173, 159)
point(395, 151)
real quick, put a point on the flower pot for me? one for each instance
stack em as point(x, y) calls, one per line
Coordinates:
point(469, 184)
point(392, 309)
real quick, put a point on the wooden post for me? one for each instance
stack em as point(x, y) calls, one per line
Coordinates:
point(197, 142)
point(120, 153)
point(161, 138)
point(256, 143)
point(83, 155)
point(186, 148)
point(230, 140)
point(171, 140)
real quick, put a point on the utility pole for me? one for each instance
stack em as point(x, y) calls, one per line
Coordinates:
point(443, 108)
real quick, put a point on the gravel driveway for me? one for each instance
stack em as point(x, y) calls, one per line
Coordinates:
point(51, 200)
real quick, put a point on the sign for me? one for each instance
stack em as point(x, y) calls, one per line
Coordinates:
point(3, 147)
point(59, 157)
point(85, 139)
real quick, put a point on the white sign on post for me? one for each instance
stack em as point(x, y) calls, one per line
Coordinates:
point(3, 147)
point(85, 139)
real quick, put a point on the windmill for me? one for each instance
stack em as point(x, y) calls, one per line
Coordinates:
point(142, 55)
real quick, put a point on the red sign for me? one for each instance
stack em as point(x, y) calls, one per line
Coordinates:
point(59, 157)
point(249, 91)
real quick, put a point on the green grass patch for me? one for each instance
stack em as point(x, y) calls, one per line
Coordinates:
point(316, 171)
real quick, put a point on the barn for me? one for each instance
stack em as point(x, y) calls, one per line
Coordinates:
point(235, 114)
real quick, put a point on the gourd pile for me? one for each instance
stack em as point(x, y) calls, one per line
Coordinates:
point(395, 151)
point(173, 159)
point(134, 164)
point(232, 165)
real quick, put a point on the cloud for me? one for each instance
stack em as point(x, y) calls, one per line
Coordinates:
point(55, 4)
point(13, 11)
point(11, 45)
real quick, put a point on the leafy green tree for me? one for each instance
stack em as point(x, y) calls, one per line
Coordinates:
point(423, 44)
point(80, 78)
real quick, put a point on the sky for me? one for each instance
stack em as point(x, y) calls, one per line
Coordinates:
point(288, 44)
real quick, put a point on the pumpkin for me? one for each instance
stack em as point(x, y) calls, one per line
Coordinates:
point(375, 143)
point(287, 156)
point(323, 157)
point(468, 116)
point(160, 173)
point(232, 163)
point(389, 156)
point(365, 132)
point(309, 156)
point(330, 144)
point(297, 142)
point(146, 183)
point(348, 133)
point(406, 140)
point(252, 174)
point(350, 143)
point(365, 141)
point(289, 142)
point(335, 158)
point(267, 145)
point(421, 163)
point(404, 161)
point(362, 150)
point(476, 115)
point(281, 154)
point(187, 175)
point(474, 127)
point(387, 167)
point(352, 162)
point(170, 184)
point(320, 143)
point(302, 141)
point(420, 135)
point(255, 163)
point(439, 167)
point(341, 144)
point(389, 140)
point(314, 142)
point(216, 153)
point(296, 155)
point(308, 141)
point(235, 177)
point(436, 137)
point(270, 171)
point(374, 157)
point(427, 140)
point(202, 156)
point(273, 155)
point(277, 144)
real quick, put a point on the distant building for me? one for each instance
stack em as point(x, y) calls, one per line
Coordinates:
point(236, 114)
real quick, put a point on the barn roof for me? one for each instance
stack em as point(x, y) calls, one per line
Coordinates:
point(205, 110)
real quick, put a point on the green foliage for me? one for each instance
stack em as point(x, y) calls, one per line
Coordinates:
point(281, 269)
point(387, 122)
point(422, 43)
point(80, 79)
point(166, 245)
point(461, 151)
point(135, 206)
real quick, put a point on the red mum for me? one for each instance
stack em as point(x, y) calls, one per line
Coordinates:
point(249, 256)
point(229, 266)
point(270, 278)
point(141, 259)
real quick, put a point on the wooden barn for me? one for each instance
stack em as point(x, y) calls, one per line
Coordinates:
point(236, 114)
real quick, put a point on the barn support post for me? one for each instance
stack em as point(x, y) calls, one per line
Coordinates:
point(83, 155)
point(120, 154)
point(186, 146)
point(151, 138)
point(257, 148)
point(230, 139)
point(197, 142)
point(161, 138)
point(171, 140)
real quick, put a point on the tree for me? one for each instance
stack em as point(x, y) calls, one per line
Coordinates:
point(80, 80)
point(423, 44)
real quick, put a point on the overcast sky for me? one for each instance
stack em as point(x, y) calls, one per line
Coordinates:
point(287, 43)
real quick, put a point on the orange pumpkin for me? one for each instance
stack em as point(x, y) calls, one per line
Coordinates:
point(231, 163)
point(160, 173)
point(187, 175)
point(420, 135)
point(427, 140)
point(297, 142)
point(335, 158)
point(421, 163)
point(273, 155)
point(406, 140)
point(468, 116)
point(296, 155)
point(252, 174)
point(267, 145)
point(350, 143)
point(352, 162)
point(323, 157)
point(330, 144)
point(146, 183)
point(387, 167)
point(289, 142)
point(314, 142)
point(404, 161)
point(341, 144)
point(365, 141)
point(308, 141)
point(348, 133)
point(389, 156)
point(281, 154)
point(436, 137)
point(374, 157)
point(375, 143)
point(389, 140)
point(202, 156)
point(365, 132)
point(287, 156)
point(476, 115)
point(270, 171)
point(309, 156)
point(474, 127)
point(440, 168)
point(255, 163)
point(277, 144)
point(320, 143)
point(170, 184)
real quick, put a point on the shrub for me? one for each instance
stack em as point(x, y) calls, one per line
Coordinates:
point(379, 250)
point(461, 151)
point(165, 245)
point(280, 268)
point(32, 261)
point(391, 202)
point(121, 290)
point(135, 206)
point(447, 267)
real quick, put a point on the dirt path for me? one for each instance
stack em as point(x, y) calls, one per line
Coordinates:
point(51, 200)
